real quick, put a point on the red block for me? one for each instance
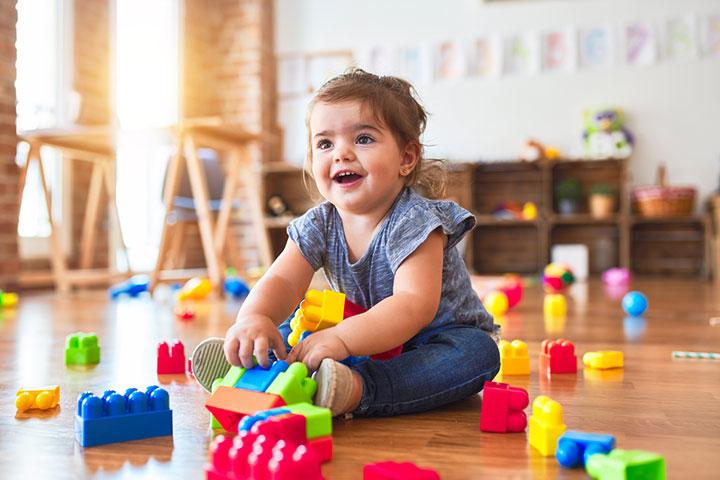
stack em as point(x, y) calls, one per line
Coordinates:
point(287, 464)
point(170, 359)
point(502, 408)
point(289, 427)
point(322, 447)
point(558, 356)
point(229, 405)
point(397, 471)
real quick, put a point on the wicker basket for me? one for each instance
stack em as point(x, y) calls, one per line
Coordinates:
point(663, 201)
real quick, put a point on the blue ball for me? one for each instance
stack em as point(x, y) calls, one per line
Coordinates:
point(634, 303)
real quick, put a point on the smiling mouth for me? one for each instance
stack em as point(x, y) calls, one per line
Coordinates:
point(346, 177)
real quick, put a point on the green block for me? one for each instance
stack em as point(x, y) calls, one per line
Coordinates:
point(294, 385)
point(232, 376)
point(318, 419)
point(82, 349)
point(626, 465)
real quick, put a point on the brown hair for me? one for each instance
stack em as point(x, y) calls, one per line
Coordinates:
point(393, 102)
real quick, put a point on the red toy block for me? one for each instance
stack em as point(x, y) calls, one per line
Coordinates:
point(558, 356)
point(289, 427)
point(502, 408)
point(322, 447)
point(228, 405)
point(170, 359)
point(397, 471)
point(287, 464)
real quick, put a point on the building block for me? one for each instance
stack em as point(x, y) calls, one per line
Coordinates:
point(502, 408)
point(558, 356)
point(294, 385)
point(554, 305)
point(8, 299)
point(603, 360)
point(196, 288)
point(248, 421)
point(38, 398)
point(119, 418)
point(229, 405)
point(546, 425)
point(131, 287)
point(82, 349)
point(319, 419)
point(323, 448)
point(259, 378)
point(626, 465)
point(574, 448)
point(397, 471)
point(235, 287)
point(170, 359)
point(514, 359)
point(290, 427)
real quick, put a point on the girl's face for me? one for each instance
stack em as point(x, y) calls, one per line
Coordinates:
point(356, 161)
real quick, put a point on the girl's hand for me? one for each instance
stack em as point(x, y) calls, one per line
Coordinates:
point(253, 334)
point(318, 346)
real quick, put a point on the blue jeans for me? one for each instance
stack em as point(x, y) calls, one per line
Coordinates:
point(438, 366)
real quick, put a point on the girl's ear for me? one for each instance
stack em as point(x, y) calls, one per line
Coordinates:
point(410, 158)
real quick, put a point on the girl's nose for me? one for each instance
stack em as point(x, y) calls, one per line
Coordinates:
point(342, 153)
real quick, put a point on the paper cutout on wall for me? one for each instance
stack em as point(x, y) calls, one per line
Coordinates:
point(680, 40)
point(413, 64)
point(639, 44)
point(520, 54)
point(485, 57)
point(710, 33)
point(559, 52)
point(381, 61)
point(448, 61)
point(596, 47)
point(322, 68)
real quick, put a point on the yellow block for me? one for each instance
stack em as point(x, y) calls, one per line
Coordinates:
point(604, 359)
point(514, 359)
point(546, 425)
point(319, 310)
point(41, 398)
point(555, 305)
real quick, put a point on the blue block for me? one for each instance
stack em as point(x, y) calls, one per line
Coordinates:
point(248, 421)
point(119, 418)
point(235, 287)
point(574, 448)
point(259, 378)
point(133, 286)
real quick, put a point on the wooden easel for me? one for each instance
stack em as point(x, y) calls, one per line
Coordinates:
point(236, 141)
point(96, 145)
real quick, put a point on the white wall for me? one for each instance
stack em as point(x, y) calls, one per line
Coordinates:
point(673, 108)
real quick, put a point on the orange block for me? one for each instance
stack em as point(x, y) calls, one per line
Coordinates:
point(229, 405)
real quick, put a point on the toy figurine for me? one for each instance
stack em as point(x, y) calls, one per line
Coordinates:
point(604, 135)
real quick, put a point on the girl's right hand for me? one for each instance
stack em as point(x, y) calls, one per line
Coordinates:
point(253, 334)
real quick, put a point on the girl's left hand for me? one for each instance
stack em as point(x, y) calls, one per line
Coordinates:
point(318, 346)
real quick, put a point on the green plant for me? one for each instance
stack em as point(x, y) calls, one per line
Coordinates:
point(607, 189)
point(568, 189)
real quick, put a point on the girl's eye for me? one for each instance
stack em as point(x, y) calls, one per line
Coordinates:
point(323, 144)
point(364, 139)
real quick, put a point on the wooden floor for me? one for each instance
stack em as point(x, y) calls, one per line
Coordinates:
point(654, 403)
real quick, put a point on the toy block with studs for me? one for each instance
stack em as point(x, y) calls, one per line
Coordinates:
point(37, 398)
point(502, 408)
point(119, 418)
point(397, 471)
point(82, 349)
point(574, 448)
point(320, 310)
point(170, 359)
point(259, 378)
point(554, 305)
point(514, 359)
point(546, 425)
point(294, 385)
point(558, 356)
point(229, 405)
point(626, 465)
point(603, 360)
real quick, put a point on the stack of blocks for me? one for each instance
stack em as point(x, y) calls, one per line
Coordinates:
point(502, 408)
point(514, 359)
point(118, 418)
point(170, 360)
point(558, 356)
point(82, 349)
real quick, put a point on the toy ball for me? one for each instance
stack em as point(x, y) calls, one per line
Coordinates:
point(634, 303)
point(512, 287)
point(556, 277)
point(616, 276)
point(496, 302)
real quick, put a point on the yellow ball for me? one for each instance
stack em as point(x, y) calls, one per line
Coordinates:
point(496, 303)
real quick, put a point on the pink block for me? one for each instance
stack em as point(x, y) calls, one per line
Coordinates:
point(502, 408)
point(322, 447)
point(302, 463)
point(170, 360)
point(289, 427)
point(397, 471)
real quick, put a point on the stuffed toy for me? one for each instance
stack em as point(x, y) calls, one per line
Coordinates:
point(604, 135)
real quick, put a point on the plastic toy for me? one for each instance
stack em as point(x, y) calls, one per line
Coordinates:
point(512, 287)
point(119, 418)
point(514, 359)
point(574, 448)
point(634, 303)
point(229, 405)
point(319, 419)
point(502, 408)
point(38, 398)
point(616, 277)
point(294, 385)
point(131, 287)
point(603, 360)
point(546, 425)
point(604, 135)
point(554, 305)
point(82, 349)
point(496, 302)
point(397, 471)
point(170, 359)
point(558, 356)
point(248, 421)
point(195, 289)
point(626, 465)
point(696, 355)
point(557, 277)
point(234, 285)
point(259, 378)
point(8, 299)
point(184, 313)
point(529, 211)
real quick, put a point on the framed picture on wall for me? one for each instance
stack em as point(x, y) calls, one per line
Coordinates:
point(301, 74)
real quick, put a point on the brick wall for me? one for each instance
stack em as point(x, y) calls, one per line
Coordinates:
point(9, 173)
